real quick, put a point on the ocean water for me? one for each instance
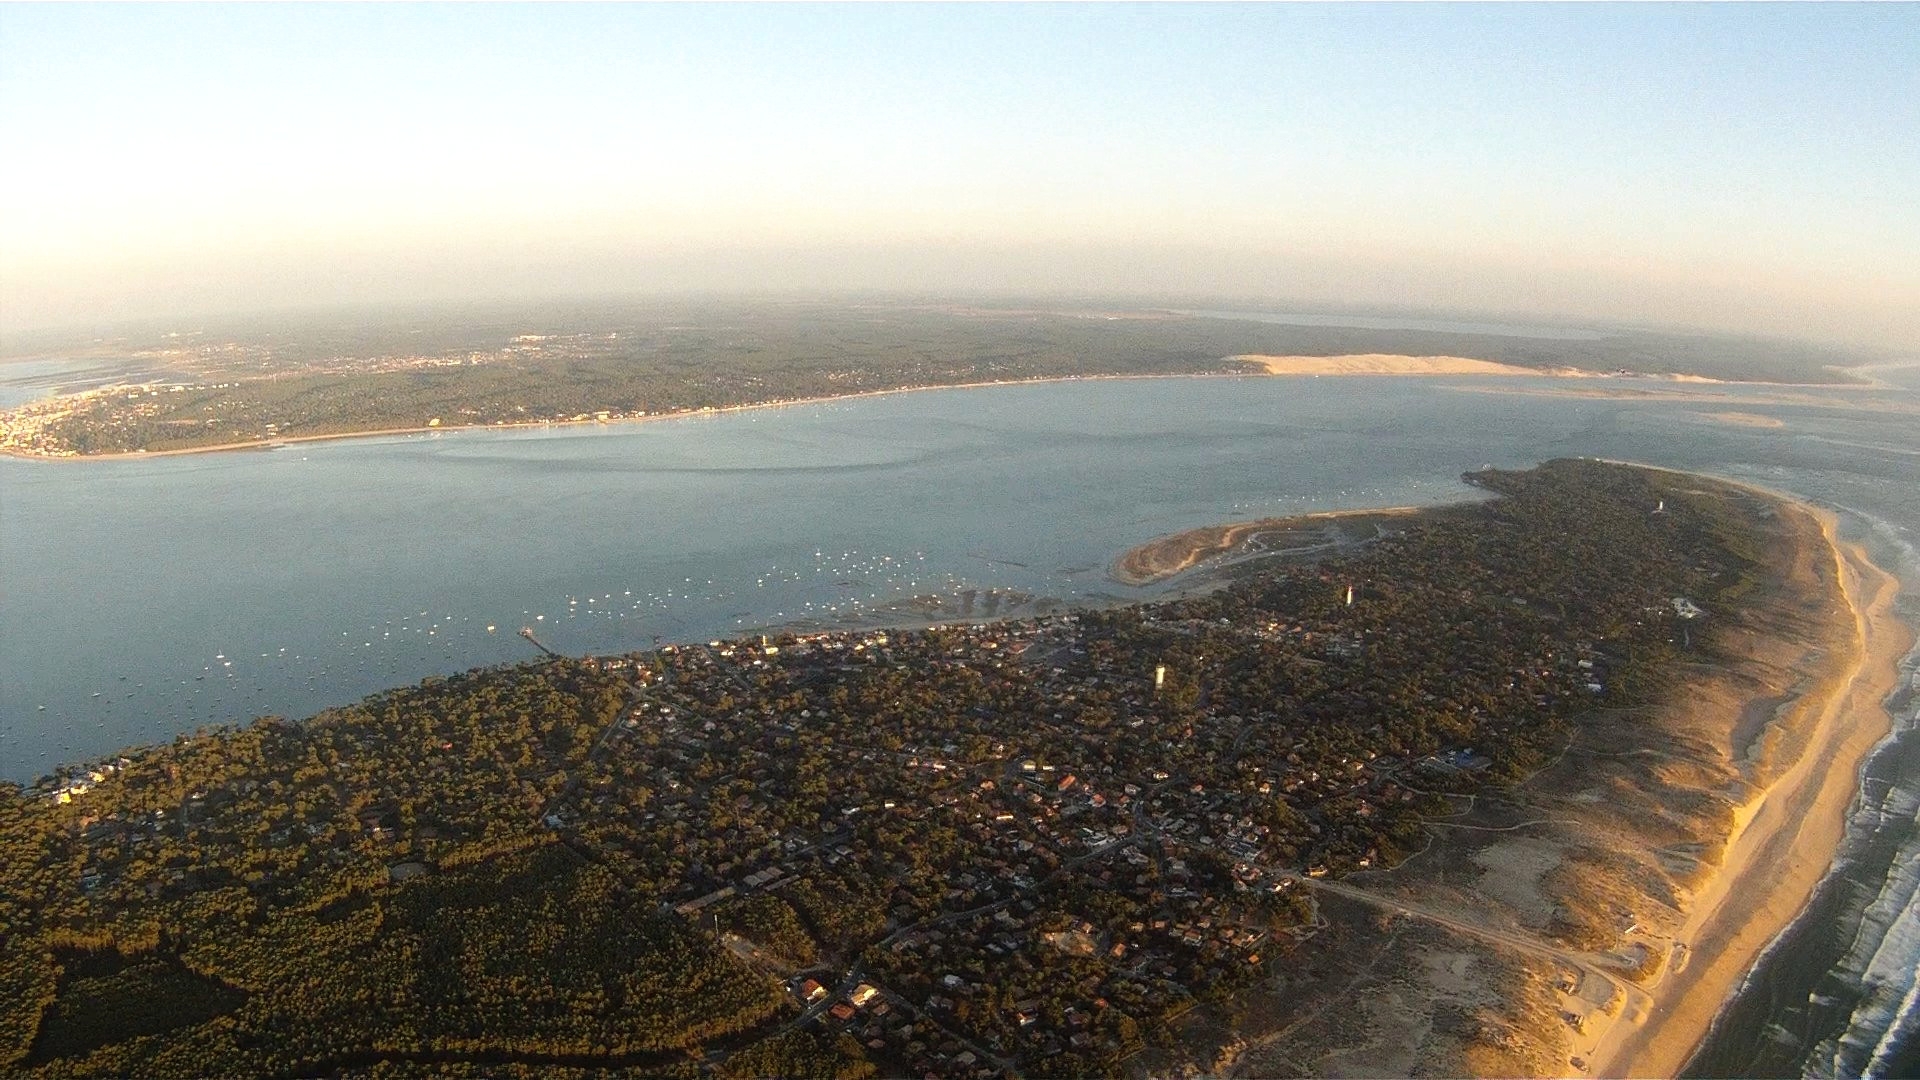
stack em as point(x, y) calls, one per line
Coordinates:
point(143, 598)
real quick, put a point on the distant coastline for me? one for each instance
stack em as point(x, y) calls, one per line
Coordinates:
point(1258, 366)
point(526, 425)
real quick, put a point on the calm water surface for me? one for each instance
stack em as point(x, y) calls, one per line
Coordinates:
point(139, 599)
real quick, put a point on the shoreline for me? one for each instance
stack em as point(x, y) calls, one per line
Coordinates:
point(1784, 838)
point(683, 414)
point(1258, 367)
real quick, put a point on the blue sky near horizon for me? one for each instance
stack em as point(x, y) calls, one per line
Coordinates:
point(1737, 167)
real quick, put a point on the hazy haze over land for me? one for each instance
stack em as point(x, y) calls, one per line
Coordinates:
point(1748, 169)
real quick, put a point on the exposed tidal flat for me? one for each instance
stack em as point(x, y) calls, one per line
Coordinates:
point(336, 571)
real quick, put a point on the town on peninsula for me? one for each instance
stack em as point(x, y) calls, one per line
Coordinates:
point(1468, 789)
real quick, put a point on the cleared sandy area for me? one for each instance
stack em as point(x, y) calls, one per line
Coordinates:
point(1384, 364)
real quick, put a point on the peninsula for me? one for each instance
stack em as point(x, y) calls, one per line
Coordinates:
point(1474, 789)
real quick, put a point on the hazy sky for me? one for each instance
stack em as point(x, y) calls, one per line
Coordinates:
point(1743, 167)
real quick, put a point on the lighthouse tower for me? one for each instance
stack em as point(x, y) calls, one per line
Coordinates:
point(1349, 594)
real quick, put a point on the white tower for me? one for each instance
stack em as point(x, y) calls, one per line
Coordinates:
point(1159, 676)
point(1349, 595)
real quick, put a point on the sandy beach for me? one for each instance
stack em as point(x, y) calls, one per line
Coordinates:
point(1784, 838)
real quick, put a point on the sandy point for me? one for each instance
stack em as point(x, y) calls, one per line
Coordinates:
point(1168, 556)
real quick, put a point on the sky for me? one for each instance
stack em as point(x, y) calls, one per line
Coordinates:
point(1749, 168)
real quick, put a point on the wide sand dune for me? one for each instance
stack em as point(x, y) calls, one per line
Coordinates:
point(1383, 364)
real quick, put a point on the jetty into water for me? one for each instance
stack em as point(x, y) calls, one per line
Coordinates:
point(527, 632)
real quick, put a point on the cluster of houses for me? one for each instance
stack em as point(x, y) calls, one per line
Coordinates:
point(65, 789)
point(901, 1034)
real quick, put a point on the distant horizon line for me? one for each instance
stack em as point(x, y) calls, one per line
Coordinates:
point(20, 343)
